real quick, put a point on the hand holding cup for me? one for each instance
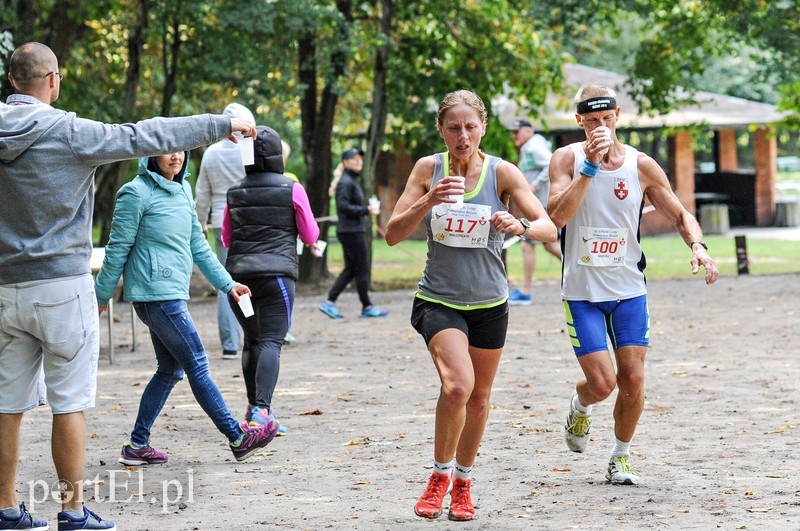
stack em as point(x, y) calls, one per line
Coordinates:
point(457, 199)
point(606, 135)
point(374, 205)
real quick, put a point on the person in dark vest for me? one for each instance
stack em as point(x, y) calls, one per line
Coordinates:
point(265, 214)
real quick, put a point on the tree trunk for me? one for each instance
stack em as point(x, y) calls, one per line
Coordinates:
point(109, 178)
point(317, 128)
point(65, 27)
point(171, 55)
point(377, 126)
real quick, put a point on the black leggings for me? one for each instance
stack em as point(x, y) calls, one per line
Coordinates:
point(273, 300)
point(356, 266)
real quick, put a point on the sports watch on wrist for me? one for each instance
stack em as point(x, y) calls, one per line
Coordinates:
point(700, 242)
point(526, 225)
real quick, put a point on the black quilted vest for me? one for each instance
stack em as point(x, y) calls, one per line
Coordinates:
point(261, 210)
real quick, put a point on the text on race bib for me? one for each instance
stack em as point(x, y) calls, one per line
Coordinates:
point(603, 246)
point(465, 226)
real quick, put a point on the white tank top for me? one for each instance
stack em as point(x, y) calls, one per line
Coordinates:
point(603, 260)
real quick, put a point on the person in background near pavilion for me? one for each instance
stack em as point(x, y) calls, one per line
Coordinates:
point(534, 163)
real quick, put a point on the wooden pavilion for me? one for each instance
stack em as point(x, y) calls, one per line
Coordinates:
point(747, 195)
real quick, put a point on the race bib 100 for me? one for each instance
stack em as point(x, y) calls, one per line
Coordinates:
point(603, 247)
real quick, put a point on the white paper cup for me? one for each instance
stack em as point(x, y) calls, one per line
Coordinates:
point(319, 248)
point(299, 246)
point(246, 305)
point(458, 198)
point(246, 149)
point(606, 133)
point(374, 203)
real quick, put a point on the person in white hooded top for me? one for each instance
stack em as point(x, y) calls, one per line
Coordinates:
point(220, 169)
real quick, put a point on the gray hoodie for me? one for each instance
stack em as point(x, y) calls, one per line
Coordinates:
point(48, 159)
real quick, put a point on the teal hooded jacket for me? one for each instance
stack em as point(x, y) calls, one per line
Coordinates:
point(155, 237)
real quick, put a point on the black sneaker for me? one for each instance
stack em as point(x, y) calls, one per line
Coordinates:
point(24, 521)
point(89, 521)
point(229, 354)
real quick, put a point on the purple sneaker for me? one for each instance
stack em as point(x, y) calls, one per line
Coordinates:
point(254, 438)
point(258, 416)
point(141, 456)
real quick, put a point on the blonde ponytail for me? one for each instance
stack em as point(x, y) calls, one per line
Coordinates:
point(337, 175)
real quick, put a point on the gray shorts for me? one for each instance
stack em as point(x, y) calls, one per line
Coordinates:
point(51, 325)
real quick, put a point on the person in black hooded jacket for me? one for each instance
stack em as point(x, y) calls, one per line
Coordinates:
point(265, 213)
point(350, 228)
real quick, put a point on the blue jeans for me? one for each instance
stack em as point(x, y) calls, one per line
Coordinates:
point(179, 351)
point(273, 300)
point(230, 335)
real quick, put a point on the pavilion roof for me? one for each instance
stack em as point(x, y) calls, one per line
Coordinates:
point(713, 110)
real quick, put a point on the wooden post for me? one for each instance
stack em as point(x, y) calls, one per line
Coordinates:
point(726, 150)
point(681, 167)
point(766, 162)
point(742, 261)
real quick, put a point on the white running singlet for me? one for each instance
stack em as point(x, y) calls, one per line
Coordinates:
point(603, 260)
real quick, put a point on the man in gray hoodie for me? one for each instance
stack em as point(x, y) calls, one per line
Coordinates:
point(48, 311)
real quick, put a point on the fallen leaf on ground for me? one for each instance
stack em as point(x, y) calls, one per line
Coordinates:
point(312, 412)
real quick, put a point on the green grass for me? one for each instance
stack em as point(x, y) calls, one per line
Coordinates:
point(667, 258)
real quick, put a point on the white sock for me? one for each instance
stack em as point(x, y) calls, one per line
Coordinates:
point(442, 468)
point(462, 472)
point(620, 448)
point(576, 403)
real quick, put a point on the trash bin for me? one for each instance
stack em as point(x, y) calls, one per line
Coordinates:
point(787, 212)
point(714, 219)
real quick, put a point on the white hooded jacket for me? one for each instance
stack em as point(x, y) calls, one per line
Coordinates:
point(220, 169)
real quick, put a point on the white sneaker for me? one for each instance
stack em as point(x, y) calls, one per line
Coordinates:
point(576, 430)
point(620, 471)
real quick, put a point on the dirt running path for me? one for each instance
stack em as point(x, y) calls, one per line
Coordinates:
point(717, 444)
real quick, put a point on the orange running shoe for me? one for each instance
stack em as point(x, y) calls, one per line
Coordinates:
point(429, 504)
point(461, 508)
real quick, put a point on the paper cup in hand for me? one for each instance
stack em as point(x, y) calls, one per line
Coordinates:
point(458, 198)
point(607, 134)
point(246, 149)
point(246, 305)
point(319, 248)
point(374, 203)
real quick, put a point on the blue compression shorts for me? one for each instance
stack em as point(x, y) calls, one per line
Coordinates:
point(625, 322)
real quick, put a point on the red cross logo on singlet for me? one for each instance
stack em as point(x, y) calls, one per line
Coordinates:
point(621, 188)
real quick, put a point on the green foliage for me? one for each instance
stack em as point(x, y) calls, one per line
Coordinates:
point(200, 55)
point(489, 47)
